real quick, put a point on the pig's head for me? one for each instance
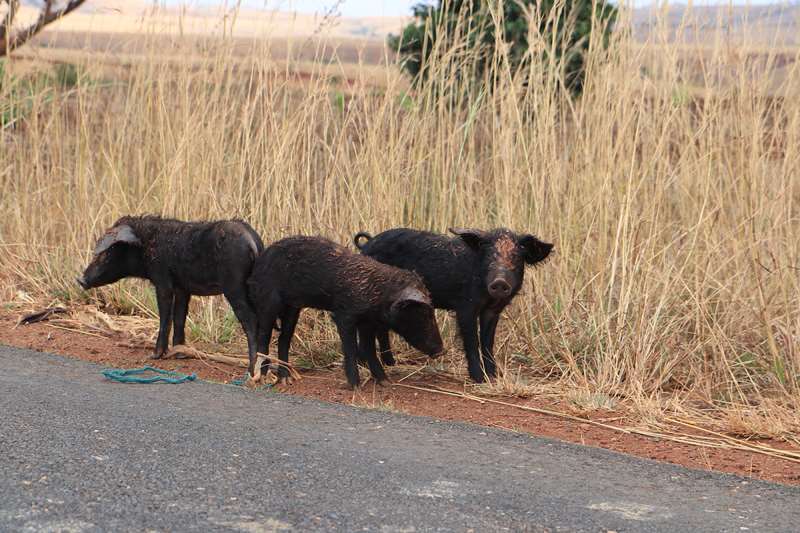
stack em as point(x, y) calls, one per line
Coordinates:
point(411, 315)
point(118, 254)
point(503, 255)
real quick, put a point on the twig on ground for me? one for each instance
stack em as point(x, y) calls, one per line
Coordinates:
point(443, 391)
point(40, 316)
point(194, 353)
point(417, 371)
point(74, 330)
point(230, 360)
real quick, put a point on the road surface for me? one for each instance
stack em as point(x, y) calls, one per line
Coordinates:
point(83, 454)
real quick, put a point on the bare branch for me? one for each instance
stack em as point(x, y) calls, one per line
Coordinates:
point(8, 20)
point(47, 16)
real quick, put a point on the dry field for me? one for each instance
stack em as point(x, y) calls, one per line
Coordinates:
point(671, 190)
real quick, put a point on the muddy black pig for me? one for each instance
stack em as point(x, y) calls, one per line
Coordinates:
point(476, 274)
point(362, 295)
point(180, 259)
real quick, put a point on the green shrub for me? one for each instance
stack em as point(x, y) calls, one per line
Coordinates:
point(66, 75)
point(472, 25)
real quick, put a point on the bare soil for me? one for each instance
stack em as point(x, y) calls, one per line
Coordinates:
point(329, 385)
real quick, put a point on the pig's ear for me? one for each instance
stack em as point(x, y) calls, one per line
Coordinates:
point(534, 249)
point(472, 237)
point(123, 233)
point(409, 297)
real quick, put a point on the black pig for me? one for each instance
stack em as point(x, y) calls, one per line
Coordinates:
point(362, 294)
point(181, 259)
point(476, 274)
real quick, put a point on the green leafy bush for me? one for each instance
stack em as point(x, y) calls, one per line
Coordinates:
point(67, 75)
point(471, 26)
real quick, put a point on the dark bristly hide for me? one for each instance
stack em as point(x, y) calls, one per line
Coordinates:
point(181, 259)
point(363, 296)
point(476, 274)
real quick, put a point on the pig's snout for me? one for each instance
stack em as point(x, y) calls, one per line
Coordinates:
point(82, 282)
point(499, 288)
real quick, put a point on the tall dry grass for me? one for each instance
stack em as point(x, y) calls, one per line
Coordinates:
point(671, 191)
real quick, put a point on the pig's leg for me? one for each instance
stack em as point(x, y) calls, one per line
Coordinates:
point(238, 300)
point(376, 332)
point(164, 298)
point(180, 309)
point(366, 336)
point(267, 310)
point(347, 333)
point(263, 337)
point(386, 349)
point(288, 323)
point(489, 318)
point(468, 327)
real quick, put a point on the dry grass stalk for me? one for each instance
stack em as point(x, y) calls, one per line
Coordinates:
point(539, 410)
point(738, 442)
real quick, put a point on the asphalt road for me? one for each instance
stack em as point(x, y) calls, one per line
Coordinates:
point(83, 454)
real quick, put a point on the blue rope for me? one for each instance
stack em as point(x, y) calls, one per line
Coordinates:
point(134, 375)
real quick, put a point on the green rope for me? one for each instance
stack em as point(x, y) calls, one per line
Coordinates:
point(134, 375)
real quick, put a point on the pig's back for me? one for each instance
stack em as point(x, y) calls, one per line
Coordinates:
point(315, 272)
point(446, 265)
point(305, 271)
point(205, 257)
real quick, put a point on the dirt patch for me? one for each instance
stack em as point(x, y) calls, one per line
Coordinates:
point(329, 385)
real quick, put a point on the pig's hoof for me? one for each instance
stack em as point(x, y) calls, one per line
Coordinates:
point(156, 356)
point(285, 380)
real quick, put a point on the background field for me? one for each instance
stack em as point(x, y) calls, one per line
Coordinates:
point(670, 190)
